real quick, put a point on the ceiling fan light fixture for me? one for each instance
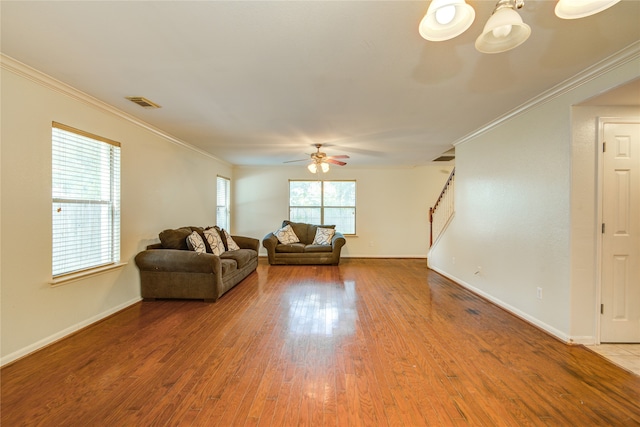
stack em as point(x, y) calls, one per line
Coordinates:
point(313, 167)
point(446, 19)
point(504, 30)
point(574, 9)
point(320, 162)
point(318, 166)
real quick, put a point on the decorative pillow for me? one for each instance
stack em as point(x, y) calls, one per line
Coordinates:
point(224, 240)
point(231, 244)
point(323, 236)
point(215, 242)
point(200, 231)
point(286, 235)
point(195, 243)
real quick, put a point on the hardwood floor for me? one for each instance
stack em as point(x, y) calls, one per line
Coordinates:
point(371, 343)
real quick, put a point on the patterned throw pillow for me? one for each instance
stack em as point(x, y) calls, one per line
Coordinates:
point(323, 236)
point(221, 234)
point(195, 243)
point(286, 235)
point(215, 241)
point(231, 244)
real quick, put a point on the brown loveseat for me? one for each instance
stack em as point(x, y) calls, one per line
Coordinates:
point(170, 270)
point(304, 252)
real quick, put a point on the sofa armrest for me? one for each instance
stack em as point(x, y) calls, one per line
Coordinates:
point(338, 241)
point(247, 242)
point(270, 242)
point(175, 260)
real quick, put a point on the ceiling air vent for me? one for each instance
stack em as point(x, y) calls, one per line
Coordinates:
point(444, 158)
point(447, 156)
point(143, 102)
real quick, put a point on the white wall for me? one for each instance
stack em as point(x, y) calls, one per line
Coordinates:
point(514, 216)
point(165, 184)
point(392, 205)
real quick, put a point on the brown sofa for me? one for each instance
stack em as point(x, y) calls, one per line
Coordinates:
point(304, 252)
point(170, 270)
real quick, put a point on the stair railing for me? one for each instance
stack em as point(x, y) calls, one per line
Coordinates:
point(442, 210)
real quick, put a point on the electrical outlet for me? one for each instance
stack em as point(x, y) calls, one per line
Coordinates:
point(539, 293)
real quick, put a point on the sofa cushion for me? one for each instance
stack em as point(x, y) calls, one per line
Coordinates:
point(286, 235)
point(195, 243)
point(291, 248)
point(175, 238)
point(228, 265)
point(323, 236)
point(318, 248)
point(215, 241)
point(241, 256)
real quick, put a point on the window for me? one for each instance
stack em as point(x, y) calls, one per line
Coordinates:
point(222, 211)
point(324, 202)
point(86, 200)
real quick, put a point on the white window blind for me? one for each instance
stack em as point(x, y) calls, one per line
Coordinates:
point(324, 203)
point(86, 200)
point(223, 196)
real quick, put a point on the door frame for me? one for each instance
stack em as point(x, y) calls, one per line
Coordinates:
point(602, 121)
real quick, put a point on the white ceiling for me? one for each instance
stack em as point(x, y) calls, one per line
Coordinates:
point(257, 83)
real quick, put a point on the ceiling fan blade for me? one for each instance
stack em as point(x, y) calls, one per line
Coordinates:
point(292, 161)
point(335, 162)
point(340, 156)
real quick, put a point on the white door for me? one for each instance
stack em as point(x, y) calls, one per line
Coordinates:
point(620, 318)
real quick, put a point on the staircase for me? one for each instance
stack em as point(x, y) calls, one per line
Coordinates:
point(442, 211)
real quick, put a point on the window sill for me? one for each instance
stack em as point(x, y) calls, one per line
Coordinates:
point(73, 277)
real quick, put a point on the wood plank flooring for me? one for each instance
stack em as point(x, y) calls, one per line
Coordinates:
point(368, 343)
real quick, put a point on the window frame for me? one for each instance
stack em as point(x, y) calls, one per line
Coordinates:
point(86, 266)
point(322, 206)
point(227, 205)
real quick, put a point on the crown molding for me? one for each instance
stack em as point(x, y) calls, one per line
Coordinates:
point(10, 64)
point(618, 59)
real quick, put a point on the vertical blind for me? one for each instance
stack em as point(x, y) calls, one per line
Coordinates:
point(223, 197)
point(85, 200)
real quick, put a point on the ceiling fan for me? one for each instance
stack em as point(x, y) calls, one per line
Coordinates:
point(320, 160)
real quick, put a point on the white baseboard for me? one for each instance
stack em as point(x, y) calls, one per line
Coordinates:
point(516, 312)
point(64, 333)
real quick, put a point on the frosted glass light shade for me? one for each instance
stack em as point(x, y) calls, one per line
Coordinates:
point(438, 24)
point(313, 167)
point(573, 9)
point(503, 31)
